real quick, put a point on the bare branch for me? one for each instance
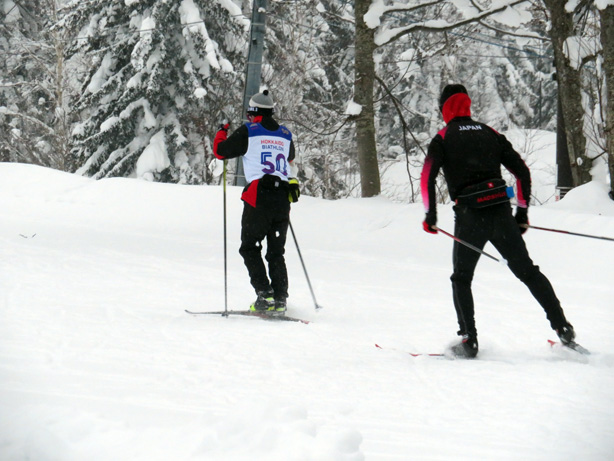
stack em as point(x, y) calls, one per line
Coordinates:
point(7, 111)
point(396, 8)
point(11, 84)
point(397, 106)
point(513, 34)
point(428, 26)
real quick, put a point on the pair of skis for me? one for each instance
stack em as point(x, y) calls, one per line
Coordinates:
point(573, 347)
point(261, 315)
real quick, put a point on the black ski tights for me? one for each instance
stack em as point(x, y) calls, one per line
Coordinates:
point(497, 225)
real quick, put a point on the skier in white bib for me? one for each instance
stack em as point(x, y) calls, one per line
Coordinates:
point(267, 150)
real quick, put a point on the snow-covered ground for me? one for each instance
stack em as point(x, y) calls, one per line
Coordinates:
point(98, 360)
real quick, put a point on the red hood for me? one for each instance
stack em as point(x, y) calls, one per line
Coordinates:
point(457, 105)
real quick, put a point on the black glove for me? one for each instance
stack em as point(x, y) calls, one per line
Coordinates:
point(430, 223)
point(294, 192)
point(522, 218)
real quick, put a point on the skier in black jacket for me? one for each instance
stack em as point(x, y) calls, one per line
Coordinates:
point(471, 154)
point(267, 149)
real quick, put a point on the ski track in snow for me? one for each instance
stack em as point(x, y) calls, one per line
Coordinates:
point(98, 361)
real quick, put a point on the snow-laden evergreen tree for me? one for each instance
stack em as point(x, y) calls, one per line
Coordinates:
point(33, 85)
point(162, 76)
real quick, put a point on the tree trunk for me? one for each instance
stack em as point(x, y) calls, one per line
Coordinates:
point(569, 87)
point(364, 80)
point(62, 141)
point(607, 44)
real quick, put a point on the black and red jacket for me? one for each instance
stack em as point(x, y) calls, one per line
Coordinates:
point(469, 153)
point(236, 144)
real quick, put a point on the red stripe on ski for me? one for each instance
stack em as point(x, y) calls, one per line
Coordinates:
point(574, 346)
point(413, 354)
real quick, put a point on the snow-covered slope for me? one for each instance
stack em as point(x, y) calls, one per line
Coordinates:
point(98, 360)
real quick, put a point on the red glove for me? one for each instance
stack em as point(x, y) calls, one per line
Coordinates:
point(428, 228)
point(430, 223)
point(220, 136)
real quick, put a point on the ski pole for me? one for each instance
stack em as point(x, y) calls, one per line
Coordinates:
point(469, 245)
point(225, 246)
point(315, 303)
point(528, 226)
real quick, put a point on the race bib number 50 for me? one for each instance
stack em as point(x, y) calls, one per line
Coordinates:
point(271, 165)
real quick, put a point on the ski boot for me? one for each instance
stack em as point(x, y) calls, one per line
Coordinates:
point(264, 303)
point(280, 306)
point(467, 348)
point(566, 334)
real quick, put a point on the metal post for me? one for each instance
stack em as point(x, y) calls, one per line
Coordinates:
point(253, 69)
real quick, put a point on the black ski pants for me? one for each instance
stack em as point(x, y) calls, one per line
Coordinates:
point(268, 220)
point(497, 225)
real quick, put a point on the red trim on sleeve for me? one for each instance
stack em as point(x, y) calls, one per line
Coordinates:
point(251, 194)
point(520, 198)
point(424, 182)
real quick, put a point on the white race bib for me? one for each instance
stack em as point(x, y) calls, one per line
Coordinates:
point(267, 152)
